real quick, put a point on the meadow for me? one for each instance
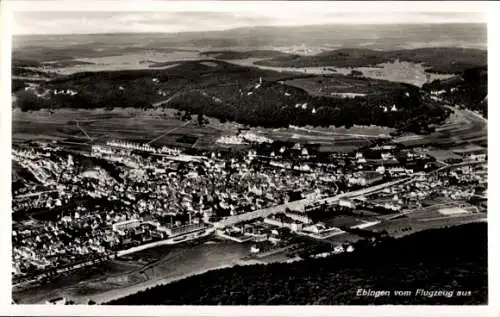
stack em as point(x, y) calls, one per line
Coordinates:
point(146, 125)
point(118, 124)
point(120, 61)
point(394, 71)
point(462, 127)
point(163, 128)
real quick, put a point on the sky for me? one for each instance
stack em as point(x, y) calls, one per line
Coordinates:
point(100, 16)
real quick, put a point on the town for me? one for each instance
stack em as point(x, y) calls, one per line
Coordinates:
point(80, 207)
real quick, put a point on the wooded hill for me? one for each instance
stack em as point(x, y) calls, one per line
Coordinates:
point(231, 92)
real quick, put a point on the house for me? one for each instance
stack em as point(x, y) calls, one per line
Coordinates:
point(274, 238)
point(438, 92)
point(365, 178)
point(473, 153)
point(254, 249)
point(338, 249)
point(316, 228)
point(392, 206)
point(304, 152)
point(361, 160)
point(387, 156)
point(380, 170)
point(347, 203)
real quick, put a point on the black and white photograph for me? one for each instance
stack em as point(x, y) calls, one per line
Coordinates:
point(248, 153)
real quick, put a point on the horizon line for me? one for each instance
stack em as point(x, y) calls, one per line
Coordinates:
point(254, 27)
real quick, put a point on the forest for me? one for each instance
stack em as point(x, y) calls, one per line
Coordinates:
point(438, 60)
point(229, 92)
point(228, 55)
point(452, 258)
point(469, 89)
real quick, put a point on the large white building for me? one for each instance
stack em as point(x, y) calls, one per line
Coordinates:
point(127, 224)
point(365, 179)
point(183, 229)
point(252, 137)
point(347, 203)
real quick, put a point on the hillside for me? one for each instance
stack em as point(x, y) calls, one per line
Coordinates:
point(438, 60)
point(388, 37)
point(231, 92)
point(468, 89)
point(229, 55)
point(443, 259)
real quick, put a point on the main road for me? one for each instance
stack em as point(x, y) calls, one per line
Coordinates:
point(300, 204)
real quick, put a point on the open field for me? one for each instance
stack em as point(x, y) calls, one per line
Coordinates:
point(252, 62)
point(460, 128)
point(239, 55)
point(442, 211)
point(101, 125)
point(347, 220)
point(147, 125)
point(395, 71)
point(330, 139)
point(452, 211)
point(443, 155)
point(441, 200)
point(334, 85)
point(394, 227)
point(361, 131)
point(125, 61)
